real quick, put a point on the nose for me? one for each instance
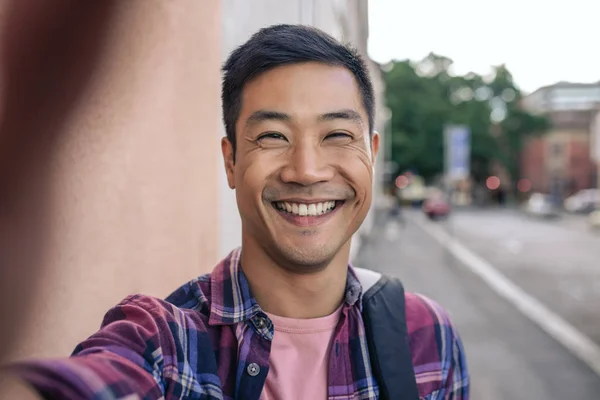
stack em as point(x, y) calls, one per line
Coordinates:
point(307, 165)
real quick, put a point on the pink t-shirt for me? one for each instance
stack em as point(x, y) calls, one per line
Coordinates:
point(299, 358)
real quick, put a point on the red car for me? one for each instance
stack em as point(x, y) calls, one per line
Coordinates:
point(436, 206)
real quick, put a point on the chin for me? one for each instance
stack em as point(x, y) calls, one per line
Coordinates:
point(306, 259)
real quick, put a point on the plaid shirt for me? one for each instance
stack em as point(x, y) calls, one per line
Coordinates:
point(211, 340)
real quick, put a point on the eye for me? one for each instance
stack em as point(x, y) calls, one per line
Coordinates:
point(338, 135)
point(271, 136)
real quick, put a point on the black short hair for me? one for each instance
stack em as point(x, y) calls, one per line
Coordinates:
point(280, 45)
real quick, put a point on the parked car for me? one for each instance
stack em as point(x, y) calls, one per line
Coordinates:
point(541, 205)
point(436, 205)
point(594, 220)
point(584, 201)
point(415, 192)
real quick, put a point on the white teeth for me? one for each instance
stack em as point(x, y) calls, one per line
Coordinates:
point(304, 210)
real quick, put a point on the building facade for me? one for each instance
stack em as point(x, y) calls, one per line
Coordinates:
point(559, 162)
point(563, 96)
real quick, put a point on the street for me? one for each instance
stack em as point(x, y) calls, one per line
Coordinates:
point(509, 356)
point(558, 262)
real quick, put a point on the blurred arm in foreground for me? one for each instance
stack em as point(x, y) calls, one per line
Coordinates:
point(47, 53)
point(87, 90)
point(37, 64)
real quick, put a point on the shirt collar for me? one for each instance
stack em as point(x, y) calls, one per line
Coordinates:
point(233, 302)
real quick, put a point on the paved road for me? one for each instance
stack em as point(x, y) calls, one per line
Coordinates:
point(556, 261)
point(509, 356)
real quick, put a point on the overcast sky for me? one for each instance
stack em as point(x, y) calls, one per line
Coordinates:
point(541, 42)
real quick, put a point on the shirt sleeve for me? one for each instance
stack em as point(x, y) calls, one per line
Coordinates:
point(457, 383)
point(437, 350)
point(125, 357)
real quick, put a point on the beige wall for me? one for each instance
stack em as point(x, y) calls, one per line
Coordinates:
point(132, 170)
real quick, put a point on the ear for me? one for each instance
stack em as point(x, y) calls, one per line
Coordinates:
point(227, 150)
point(374, 145)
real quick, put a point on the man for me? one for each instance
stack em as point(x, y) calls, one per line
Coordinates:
point(281, 317)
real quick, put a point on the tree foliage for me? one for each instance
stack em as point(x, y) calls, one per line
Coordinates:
point(425, 96)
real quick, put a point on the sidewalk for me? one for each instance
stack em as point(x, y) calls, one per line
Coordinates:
point(509, 356)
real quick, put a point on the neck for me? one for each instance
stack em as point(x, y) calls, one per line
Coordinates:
point(282, 292)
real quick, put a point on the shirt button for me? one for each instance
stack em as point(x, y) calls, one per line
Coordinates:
point(253, 369)
point(260, 322)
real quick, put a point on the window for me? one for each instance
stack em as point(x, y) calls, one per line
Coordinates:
point(556, 149)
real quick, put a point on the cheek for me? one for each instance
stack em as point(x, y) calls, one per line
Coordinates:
point(359, 173)
point(357, 150)
point(356, 163)
point(251, 176)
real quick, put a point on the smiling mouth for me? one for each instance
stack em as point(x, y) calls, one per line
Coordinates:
point(307, 209)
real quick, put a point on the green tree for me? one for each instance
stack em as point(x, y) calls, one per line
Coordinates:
point(425, 96)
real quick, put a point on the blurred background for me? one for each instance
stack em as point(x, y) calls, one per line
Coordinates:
point(486, 191)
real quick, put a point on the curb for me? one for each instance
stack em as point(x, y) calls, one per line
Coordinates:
point(562, 331)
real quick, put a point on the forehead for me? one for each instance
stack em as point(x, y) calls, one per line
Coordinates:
point(303, 89)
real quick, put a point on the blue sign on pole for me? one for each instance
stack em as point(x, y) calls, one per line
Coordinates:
point(458, 151)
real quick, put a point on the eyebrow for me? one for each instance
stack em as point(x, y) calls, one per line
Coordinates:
point(346, 114)
point(266, 115)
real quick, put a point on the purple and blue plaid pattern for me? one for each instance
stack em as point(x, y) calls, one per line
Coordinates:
point(209, 340)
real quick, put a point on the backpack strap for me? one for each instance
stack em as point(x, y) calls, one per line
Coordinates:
point(384, 317)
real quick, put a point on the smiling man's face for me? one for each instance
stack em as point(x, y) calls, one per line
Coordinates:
point(303, 169)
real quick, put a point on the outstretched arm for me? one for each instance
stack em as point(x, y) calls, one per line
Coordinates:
point(135, 353)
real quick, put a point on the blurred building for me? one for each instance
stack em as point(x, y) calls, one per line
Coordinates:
point(560, 162)
point(563, 96)
point(346, 20)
